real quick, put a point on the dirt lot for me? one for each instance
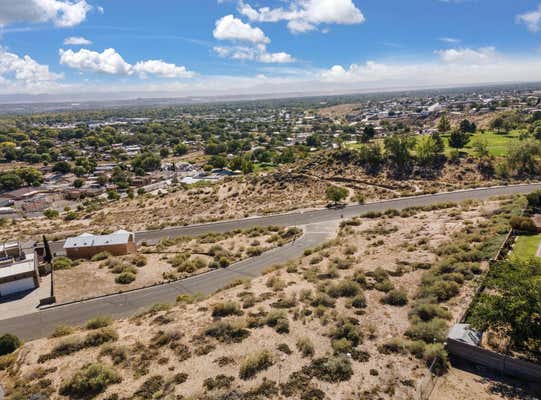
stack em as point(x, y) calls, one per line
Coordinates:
point(173, 258)
point(316, 328)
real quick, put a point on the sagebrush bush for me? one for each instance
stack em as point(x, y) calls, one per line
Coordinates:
point(330, 369)
point(433, 330)
point(104, 255)
point(61, 262)
point(227, 332)
point(396, 297)
point(255, 363)
point(9, 343)
point(225, 309)
point(305, 347)
point(90, 381)
point(100, 321)
point(343, 288)
point(125, 278)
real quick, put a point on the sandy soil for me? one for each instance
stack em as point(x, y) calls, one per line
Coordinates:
point(95, 278)
point(385, 242)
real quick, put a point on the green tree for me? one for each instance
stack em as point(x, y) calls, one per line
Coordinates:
point(180, 149)
point(336, 194)
point(467, 127)
point(444, 125)
point(480, 147)
point(63, 167)
point(427, 150)
point(398, 150)
point(10, 181)
point(524, 157)
point(31, 176)
point(458, 139)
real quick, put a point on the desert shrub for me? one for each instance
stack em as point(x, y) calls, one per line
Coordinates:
point(61, 262)
point(98, 322)
point(284, 348)
point(305, 347)
point(255, 363)
point(330, 369)
point(100, 337)
point(346, 330)
point(428, 311)
point(395, 345)
point(150, 387)
point(285, 302)
point(343, 288)
point(9, 343)
point(359, 301)
point(103, 255)
point(436, 352)
point(341, 263)
point(384, 285)
point(90, 381)
point(139, 260)
point(7, 361)
point(523, 224)
point(433, 330)
point(342, 346)
point(226, 309)
point(117, 354)
point(254, 251)
point(227, 332)
point(62, 330)
point(125, 278)
point(277, 320)
point(218, 382)
point(322, 299)
point(441, 290)
point(396, 297)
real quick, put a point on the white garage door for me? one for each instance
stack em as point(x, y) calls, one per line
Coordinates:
point(16, 286)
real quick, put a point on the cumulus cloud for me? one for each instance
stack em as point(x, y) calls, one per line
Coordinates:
point(531, 19)
point(77, 41)
point(62, 13)
point(466, 55)
point(112, 63)
point(306, 15)
point(24, 72)
point(255, 53)
point(232, 28)
point(108, 61)
point(161, 69)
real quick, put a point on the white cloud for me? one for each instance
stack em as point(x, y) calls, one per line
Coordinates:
point(77, 41)
point(449, 40)
point(531, 19)
point(110, 62)
point(24, 73)
point(306, 15)
point(232, 28)
point(253, 53)
point(161, 69)
point(468, 56)
point(62, 13)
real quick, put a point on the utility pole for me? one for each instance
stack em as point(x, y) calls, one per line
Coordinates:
point(48, 258)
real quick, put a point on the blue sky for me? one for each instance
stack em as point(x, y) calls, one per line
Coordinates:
point(179, 47)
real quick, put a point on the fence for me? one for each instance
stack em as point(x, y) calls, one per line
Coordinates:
point(427, 384)
point(502, 363)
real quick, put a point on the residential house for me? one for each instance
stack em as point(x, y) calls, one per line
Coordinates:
point(86, 245)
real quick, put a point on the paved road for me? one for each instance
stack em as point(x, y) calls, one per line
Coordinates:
point(316, 216)
point(318, 224)
point(42, 323)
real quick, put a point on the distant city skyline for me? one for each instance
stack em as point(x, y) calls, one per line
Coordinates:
point(68, 49)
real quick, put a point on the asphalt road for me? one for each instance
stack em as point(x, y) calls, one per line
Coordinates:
point(324, 215)
point(319, 224)
point(42, 323)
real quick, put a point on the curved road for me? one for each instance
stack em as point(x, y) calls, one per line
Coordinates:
point(319, 226)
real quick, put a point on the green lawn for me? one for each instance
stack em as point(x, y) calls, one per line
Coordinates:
point(497, 142)
point(526, 246)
